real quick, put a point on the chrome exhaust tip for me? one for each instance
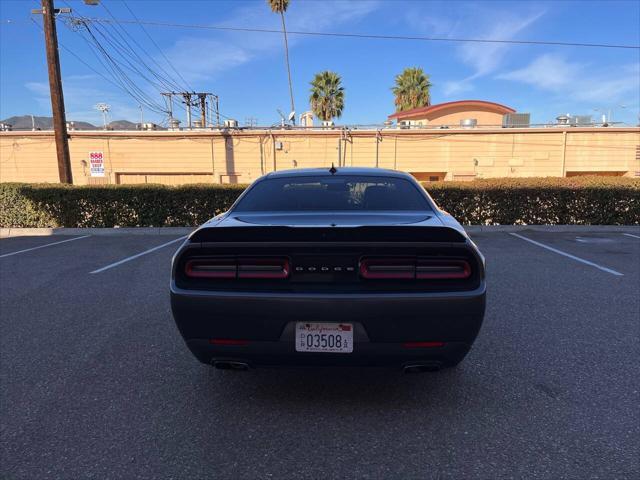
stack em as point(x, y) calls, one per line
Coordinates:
point(422, 367)
point(229, 365)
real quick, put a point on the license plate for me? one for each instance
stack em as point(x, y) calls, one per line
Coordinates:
point(324, 337)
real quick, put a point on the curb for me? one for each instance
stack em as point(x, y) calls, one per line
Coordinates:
point(22, 232)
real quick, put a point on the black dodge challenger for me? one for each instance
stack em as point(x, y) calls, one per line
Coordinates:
point(347, 266)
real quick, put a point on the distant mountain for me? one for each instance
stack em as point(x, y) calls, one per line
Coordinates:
point(122, 125)
point(24, 122)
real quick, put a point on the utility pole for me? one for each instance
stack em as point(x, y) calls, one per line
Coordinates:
point(187, 101)
point(217, 103)
point(203, 109)
point(55, 86)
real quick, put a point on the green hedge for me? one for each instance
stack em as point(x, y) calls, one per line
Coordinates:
point(541, 201)
point(584, 200)
point(52, 205)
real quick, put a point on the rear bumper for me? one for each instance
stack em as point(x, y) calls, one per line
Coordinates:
point(365, 354)
point(383, 323)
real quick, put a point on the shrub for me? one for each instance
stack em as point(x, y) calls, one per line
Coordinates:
point(52, 205)
point(526, 201)
point(540, 201)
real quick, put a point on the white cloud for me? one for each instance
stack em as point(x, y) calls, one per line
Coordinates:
point(197, 59)
point(454, 87)
point(471, 21)
point(485, 58)
point(579, 81)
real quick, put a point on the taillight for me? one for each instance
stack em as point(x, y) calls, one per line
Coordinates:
point(242, 268)
point(391, 268)
point(407, 268)
point(263, 268)
point(211, 268)
point(442, 269)
point(229, 342)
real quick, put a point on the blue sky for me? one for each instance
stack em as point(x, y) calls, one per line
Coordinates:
point(247, 70)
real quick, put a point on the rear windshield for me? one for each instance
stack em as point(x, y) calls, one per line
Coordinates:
point(333, 193)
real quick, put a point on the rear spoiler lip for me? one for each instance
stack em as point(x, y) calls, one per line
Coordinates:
point(348, 235)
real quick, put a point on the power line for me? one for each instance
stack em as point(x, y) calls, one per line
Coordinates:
point(156, 45)
point(369, 36)
point(165, 78)
point(118, 73)
point(89, 66)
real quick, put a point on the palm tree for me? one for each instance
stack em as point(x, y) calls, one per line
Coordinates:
point(412, 89)
point(327, 95)
point(280, 6)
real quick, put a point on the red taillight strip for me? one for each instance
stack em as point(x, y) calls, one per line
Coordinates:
point(277, 268)
point(242, 268)
point(215, 268)
point(229, 342)
point(390, 268)
point(423, 344)
point(442, 269)
point(411, 268)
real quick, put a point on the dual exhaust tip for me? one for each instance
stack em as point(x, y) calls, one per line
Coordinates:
point(230, 365)
point(422, 367)
point(411, 368)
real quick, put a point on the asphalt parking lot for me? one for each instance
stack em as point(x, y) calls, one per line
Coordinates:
point(97, 383)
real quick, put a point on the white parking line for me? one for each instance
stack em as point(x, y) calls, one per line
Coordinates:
point(133, 257)
point(631, 235)
point(43, 246)
point(573, 257)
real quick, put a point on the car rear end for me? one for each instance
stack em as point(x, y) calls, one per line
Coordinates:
point(402, 296)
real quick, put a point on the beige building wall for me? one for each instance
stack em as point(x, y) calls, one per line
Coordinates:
point(242, 156)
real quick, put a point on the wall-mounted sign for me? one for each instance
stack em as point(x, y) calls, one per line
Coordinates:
point(96, 162)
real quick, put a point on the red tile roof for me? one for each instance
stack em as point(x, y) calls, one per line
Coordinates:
point(422, 111)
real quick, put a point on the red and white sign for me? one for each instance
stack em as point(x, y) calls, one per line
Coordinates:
point(96, 161)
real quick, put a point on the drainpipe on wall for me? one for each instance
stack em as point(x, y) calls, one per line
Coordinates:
point(564, 154)
point(378, 140)
point(395, 152)
point(273, 146)
point(213, 163)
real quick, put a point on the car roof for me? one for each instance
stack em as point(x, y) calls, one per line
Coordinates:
point(339, 171)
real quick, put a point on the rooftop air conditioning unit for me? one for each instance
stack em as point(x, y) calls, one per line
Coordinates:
point(149, 126)
point(404, 124)
point(6, 127)
point(306, 119)
point(583, 120)
point(516, 120)
point(231, 123)
point(328, 123)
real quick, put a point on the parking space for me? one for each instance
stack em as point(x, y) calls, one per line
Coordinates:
point(610, 250)
point(96, 382)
